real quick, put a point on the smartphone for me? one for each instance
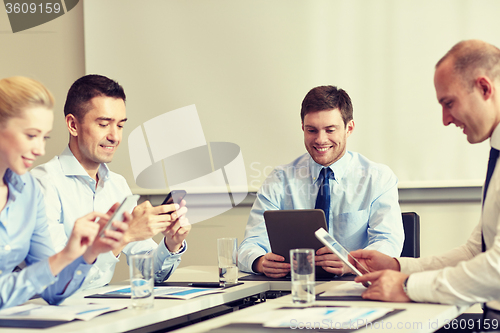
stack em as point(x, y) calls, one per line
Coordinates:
point(126, 206)
point(174, 196)
point(334, 246)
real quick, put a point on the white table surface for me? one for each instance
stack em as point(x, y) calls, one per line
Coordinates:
point(417, 317)
point(164, 309)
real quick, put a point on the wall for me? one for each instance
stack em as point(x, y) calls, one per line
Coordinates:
point(247, 65)
point(53, 53)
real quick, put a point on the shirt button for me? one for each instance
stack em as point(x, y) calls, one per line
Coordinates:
point(7, 248)
point(1, 272)
point(78, 272)
point(162, 253)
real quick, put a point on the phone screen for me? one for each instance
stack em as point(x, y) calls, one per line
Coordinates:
point(174, 196)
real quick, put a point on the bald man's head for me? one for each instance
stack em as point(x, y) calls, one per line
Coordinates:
point(470, 58)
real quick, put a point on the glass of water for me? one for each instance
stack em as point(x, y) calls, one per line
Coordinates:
point(141, 281)
point(227, 254)
point(302, 268)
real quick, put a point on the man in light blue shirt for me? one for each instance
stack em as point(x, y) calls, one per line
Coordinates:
point(364, 210)
point(78, 181)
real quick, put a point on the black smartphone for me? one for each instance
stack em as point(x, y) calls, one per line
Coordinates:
point(174, 196)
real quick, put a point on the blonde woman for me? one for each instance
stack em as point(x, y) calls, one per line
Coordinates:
point(25, 123)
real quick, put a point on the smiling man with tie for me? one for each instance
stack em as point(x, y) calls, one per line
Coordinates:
point(359, 197)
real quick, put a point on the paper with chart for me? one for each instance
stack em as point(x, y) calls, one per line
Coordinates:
point(168, 292)
point(61, 312)
point(326, 317)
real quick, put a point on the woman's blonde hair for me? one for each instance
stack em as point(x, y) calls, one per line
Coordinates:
point(18, 93)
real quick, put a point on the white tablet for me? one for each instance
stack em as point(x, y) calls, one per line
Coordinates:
point(340, 251)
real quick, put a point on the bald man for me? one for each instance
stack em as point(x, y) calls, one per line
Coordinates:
point(467, 83)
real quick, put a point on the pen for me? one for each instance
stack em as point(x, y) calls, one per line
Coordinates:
point(205, 284)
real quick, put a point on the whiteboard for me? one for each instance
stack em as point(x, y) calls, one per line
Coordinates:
point(247, 65)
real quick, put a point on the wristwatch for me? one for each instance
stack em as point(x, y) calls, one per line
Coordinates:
point(405, 286)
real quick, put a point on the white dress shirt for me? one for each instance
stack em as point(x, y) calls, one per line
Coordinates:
point(464, 275)
point(71, 193)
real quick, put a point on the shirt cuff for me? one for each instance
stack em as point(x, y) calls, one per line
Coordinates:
point(419, 286)
point(82, 264)
point(43, 277)
point(107, 257)
point(163, 252)
point(79, 270)
point(252, 258)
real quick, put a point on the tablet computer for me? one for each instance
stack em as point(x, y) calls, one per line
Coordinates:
point(334, 246)
point(294, 229)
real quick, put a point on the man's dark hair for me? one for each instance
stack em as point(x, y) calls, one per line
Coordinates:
point(86, 88)
point(327, 98)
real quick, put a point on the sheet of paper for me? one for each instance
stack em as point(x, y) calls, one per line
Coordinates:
point(350, 288)
point(260, 318)
point(327, 317)
point(171, 292)
point(61, 312)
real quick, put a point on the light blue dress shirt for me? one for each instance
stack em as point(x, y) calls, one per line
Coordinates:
point(71, 193)
point(24, 236)
point(364, 208)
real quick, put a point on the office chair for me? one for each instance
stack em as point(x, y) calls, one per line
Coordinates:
point(411, 226)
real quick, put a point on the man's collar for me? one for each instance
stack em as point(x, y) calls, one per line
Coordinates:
point(71, 167)
point(339, 167)
point(495, 138)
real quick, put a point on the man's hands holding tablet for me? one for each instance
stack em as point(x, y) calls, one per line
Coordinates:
point(271, 265)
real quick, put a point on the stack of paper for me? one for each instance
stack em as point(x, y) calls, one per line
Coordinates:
point(350, 288)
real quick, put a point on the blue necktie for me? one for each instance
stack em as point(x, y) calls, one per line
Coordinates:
point(323, 198)
point(492, 162)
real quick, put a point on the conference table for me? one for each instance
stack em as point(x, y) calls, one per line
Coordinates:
point(169, 314)
point(408, 317)
point(166, 313)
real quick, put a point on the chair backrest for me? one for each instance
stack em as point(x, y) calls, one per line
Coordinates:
point(411, 245)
